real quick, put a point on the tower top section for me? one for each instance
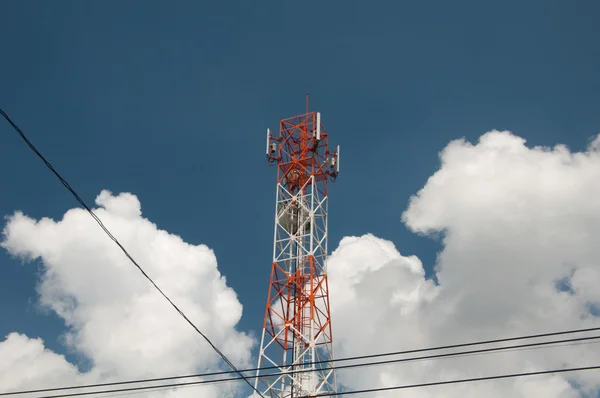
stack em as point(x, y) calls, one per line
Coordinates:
point(301, 151)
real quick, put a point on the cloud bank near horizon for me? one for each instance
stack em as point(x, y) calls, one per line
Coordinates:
point(114, 316)
point(519, 230)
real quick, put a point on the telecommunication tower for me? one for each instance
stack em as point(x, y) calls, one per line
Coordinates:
point(296, 338)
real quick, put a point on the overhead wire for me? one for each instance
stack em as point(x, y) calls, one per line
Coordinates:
point(336, 360)
point(112, 237)
point(364, 391)
point(572, 341)
point(458, 381)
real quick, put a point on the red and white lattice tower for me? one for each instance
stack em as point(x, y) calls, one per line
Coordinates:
point(296, 342)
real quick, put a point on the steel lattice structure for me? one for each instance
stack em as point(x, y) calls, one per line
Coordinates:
point(297, 324)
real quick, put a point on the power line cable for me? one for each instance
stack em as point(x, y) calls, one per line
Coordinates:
point(353, 358)
point(400, 387)
point(111, 236)
point(573, 341)
point(458, 381)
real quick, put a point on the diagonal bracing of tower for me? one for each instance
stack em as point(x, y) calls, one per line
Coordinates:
point(296, 339)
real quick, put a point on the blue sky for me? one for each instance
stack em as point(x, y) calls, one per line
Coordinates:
point(169, 101)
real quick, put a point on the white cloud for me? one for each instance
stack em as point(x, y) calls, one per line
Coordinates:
point(26, 363)
point(115, 317)
point(517, 223)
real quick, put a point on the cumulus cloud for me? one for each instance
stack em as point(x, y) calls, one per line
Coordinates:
point(25, 362)
point(114, 317)
point(519, 228)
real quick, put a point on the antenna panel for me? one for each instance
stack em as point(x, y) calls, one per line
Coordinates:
point(318, 126)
